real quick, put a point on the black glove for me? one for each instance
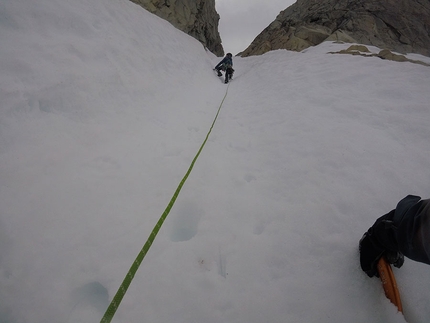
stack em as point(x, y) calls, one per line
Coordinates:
point(379, 241)
point(395, 258)
point(369, 255)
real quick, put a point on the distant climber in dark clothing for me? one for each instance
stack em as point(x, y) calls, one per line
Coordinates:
point(226, 65)
point(403, 231)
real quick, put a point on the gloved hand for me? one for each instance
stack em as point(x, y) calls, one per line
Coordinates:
point(379, 241)
point(395, 258)
point(369, 255)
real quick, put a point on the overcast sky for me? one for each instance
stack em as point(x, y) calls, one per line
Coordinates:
point(242, 20)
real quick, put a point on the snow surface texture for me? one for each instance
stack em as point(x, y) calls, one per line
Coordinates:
point(102, 108)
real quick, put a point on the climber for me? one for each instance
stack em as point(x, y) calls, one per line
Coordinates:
point(226, 65)
point(405, 231)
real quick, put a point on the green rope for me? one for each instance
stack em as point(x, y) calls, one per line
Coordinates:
point(111, 310)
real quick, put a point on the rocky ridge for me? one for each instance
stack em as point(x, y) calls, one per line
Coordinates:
point(398, 25)
point(362, 50)
point(197, 18)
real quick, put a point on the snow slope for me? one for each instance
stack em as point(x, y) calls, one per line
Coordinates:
point(103, 106)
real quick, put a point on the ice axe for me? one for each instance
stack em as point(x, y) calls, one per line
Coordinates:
point(389, 283)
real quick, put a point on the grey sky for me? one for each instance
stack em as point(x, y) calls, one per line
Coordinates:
point(242, 20)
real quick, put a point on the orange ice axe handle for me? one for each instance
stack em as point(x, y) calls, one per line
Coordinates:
point(389, 283)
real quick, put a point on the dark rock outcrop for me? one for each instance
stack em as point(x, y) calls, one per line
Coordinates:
point(197, 18)
point(362, 50)
point(398, 25)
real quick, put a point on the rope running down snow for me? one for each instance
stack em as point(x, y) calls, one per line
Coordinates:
point(111, 310)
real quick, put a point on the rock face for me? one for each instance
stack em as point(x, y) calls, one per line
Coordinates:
point(197, 18)
point(399, 25)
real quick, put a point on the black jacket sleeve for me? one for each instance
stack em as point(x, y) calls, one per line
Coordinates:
point(222, 62)
point(412, 222)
